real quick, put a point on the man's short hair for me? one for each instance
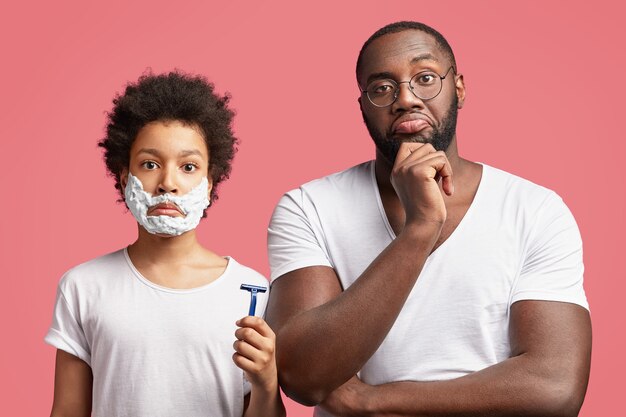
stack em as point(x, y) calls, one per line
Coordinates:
point(400, 27)
point(174, 96)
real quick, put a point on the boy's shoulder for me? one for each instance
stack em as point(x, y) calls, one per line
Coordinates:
point(94, 269)
point(245, 273)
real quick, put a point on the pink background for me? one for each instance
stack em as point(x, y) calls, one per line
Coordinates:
point(545, 100)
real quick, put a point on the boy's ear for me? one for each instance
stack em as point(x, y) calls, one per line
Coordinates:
point(124, 178)
point(210, 187)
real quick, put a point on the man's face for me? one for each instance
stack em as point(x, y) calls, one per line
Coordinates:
point(399, 56)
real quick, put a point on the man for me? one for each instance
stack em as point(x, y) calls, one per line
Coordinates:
point(450, 287)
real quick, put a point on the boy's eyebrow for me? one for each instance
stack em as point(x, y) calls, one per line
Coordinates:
point(190, 152)
point(150, 151)
point(183, 153)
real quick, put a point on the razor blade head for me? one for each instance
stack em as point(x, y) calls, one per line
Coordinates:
point(253, 288)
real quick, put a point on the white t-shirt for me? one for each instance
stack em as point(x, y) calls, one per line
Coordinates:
point(154, 351)
point(518, 241)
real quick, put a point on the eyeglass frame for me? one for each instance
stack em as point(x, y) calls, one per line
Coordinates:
point(411, 88)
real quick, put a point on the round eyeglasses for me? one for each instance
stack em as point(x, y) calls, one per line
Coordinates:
point(424, 85)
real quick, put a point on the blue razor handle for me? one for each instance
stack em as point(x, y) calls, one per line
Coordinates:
point(253, 289)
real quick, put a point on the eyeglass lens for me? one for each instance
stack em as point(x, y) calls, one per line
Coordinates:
point(425, 85)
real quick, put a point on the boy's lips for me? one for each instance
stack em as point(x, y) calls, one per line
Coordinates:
point(166, 209)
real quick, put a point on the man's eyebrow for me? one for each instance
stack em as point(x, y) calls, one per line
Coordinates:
point(424, 57)
point(379, 76)
point(382, 75)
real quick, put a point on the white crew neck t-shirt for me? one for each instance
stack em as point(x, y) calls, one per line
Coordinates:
point(517, 241)
point(155, 351)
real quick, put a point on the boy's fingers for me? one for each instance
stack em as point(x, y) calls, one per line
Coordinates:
point(258, 324)
point(254, 338)
point(245, 349)
point(243, 362)
point(256, 360)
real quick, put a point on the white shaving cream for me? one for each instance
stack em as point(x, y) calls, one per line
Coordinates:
point(191, 204)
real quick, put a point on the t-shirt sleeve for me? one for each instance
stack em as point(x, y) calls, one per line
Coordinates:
point(66, 332)
point(293, 239)
point(552, 267)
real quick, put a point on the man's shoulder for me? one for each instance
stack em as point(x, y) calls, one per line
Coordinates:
point(507, 185)
point(341, 182)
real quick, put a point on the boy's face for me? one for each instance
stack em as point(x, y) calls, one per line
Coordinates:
point(168, 157)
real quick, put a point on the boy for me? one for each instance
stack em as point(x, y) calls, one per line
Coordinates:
point(148, 330)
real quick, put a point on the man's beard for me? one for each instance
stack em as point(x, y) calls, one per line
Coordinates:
point(440, 138)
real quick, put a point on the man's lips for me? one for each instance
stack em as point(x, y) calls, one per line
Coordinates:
point(411, 123)
point(165, 209)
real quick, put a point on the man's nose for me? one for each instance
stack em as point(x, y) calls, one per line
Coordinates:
point(167, 182)
point(406, 99)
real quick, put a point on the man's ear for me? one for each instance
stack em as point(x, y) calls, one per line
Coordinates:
point(460, 90)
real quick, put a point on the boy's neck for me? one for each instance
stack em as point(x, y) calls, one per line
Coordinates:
point(168, 250)
point(177, 262)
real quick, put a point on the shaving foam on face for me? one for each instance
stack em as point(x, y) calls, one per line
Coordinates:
point(191, 204)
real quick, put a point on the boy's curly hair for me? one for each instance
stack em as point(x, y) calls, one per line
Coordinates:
point(174, 96)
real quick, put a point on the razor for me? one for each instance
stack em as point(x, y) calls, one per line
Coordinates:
point(254, 290)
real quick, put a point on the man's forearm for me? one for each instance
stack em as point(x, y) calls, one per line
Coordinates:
point(503, 390)
point(510, 388)
point(320, 349)
point(546, 376)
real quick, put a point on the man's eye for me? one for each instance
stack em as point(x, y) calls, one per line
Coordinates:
point(380, 89)
point(189, 167)
point(426, 79)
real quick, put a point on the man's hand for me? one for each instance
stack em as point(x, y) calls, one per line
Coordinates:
point(415, 177)
point(254, 353)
